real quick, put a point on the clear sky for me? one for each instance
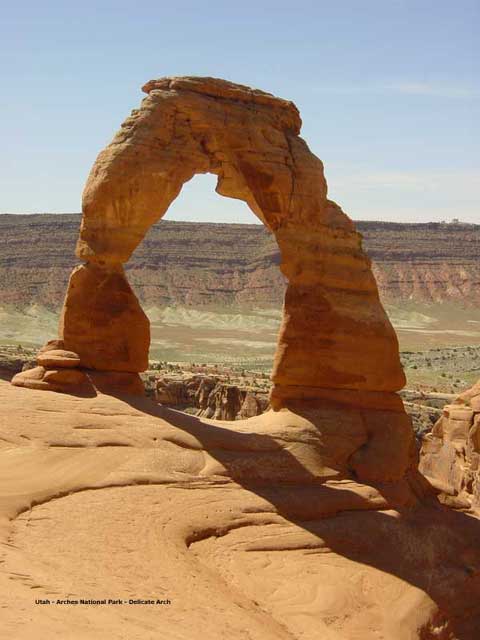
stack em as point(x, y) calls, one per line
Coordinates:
point(389, 93)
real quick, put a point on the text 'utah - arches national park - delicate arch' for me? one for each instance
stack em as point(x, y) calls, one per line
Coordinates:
point(334, 335)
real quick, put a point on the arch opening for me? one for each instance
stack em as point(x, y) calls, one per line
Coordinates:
point(207, 276)
point(209, 282)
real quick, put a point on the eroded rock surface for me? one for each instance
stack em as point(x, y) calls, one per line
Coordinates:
point(210, 397)
point(102, 320)
point(63, 371)
point(416, 264)
point(107, 497)
point(450, 455)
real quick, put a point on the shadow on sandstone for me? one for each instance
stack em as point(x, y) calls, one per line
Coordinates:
point(422, 542)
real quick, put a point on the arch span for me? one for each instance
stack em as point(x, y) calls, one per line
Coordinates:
point(335, 336)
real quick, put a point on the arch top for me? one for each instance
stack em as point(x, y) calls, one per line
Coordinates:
point(189, 125)
point(223, 89)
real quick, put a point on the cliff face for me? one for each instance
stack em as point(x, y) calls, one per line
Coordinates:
point(218, 265)
point(425, 263)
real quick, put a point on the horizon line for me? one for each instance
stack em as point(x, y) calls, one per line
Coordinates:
point(451, 222)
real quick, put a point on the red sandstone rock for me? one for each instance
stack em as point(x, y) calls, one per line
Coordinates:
point(329, 478)
point(52, 345)
point(65, 376)
point(450, 454)
point(34, 379)
point(335, 333)
point(116, 382)
point(58, 358)
point(171, 392)
point(253, 405)
point(36, 373)
point(103, 322)
point(336, 346)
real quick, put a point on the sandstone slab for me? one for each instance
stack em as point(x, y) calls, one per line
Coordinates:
point(58, 358)
point(52, 345)
point(250, 515)
point(65, 376)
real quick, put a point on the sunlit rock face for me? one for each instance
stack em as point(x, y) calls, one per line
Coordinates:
point(450, 454)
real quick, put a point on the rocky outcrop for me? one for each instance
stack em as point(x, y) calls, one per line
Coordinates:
point(229, 402)
point(450, 454)
point(210, 397)
point(331, 294)
point(328, 476)
point(56, 370)
point(103, 497)
point(15, 359)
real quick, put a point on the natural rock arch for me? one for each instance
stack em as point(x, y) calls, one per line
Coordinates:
point(337, 363)
point(335, 334)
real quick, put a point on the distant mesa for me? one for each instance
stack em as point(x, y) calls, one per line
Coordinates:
point(419, 264)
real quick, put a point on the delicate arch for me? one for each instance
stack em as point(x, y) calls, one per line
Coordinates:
point(335, 335)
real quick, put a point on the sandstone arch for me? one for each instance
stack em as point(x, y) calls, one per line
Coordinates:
point(335, 334)
point(337, 362)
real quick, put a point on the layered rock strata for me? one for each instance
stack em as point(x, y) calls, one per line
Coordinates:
point(196, 264)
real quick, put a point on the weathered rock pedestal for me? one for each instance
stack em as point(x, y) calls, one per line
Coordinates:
point(102, 320)
point(63, 371)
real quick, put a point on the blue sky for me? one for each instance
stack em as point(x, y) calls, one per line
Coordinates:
point(389, 93)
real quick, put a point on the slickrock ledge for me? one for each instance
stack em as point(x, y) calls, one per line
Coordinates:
point(105, 497)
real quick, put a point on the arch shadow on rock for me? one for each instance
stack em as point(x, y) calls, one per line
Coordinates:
point(427, 545)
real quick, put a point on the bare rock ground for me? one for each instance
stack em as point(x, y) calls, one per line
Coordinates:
point(240, 526)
